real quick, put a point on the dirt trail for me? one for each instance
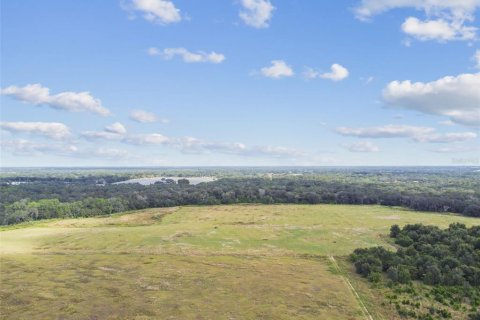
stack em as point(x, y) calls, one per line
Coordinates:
point(349, 284)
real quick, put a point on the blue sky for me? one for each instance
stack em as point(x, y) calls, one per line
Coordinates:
point(239, 82)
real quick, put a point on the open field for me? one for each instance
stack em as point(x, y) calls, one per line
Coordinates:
point(218, 262)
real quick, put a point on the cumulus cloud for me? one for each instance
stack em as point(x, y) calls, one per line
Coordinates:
point(187, 56)
point(337, 73)
point(438, 29)
point(71, 101)
point(54, 130)
point(362, 146)
point(256, 13)
point(416, 133)
point(457, 97)
point(445, 19)
point(155, 11)
point(278, 69)
point(116, 128)
point(143, 116)
point(115, 131)
point(22, 147)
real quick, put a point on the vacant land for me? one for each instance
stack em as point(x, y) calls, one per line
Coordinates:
point(218, 262)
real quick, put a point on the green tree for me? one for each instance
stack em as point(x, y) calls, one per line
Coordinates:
point(394, 231)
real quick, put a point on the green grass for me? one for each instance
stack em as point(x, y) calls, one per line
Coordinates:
point(218, 262)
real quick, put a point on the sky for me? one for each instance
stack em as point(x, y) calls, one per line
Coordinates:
point(240, 83)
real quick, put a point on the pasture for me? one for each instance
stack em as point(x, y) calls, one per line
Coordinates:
point(215, 262)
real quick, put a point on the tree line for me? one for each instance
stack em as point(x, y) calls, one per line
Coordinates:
point(76, 198)
point(446, 260)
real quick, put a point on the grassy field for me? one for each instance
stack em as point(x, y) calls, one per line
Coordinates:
point(218, 262)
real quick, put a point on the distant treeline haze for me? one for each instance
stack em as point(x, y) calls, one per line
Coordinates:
point(59, 198)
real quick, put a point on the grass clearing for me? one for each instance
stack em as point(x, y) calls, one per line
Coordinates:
point(227, 262)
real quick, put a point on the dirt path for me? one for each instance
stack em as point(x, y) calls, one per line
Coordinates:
point(355, 293)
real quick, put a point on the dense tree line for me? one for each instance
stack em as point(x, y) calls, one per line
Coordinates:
point(426, 253)
point(25, 210)
point(336, 188)
point(448, 260)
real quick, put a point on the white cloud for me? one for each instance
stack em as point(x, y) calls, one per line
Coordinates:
point(256, 13)
point(476, 58)
point(419, 134)
point(27, 148)
point(457, 97)
point(456, 149)
point(447, 137)
point(22, 147)
point(95, 135)
point(458, 8)
point(54, 130)
point(446, 19)
point(156, 11)
point(439, 29)
point(277, 70)
point(338, 72)
point(239, 149)
point(195, 145)
point(447, 123)
point(387, 131)
point(71, 101)
point(145, 139)
point(115, 131)
point(143, 116)
point(187, 56)
point(362, 146)
point(116, 128)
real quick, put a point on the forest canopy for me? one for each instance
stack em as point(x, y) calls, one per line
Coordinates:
point(446, 261)
point(26, 196)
